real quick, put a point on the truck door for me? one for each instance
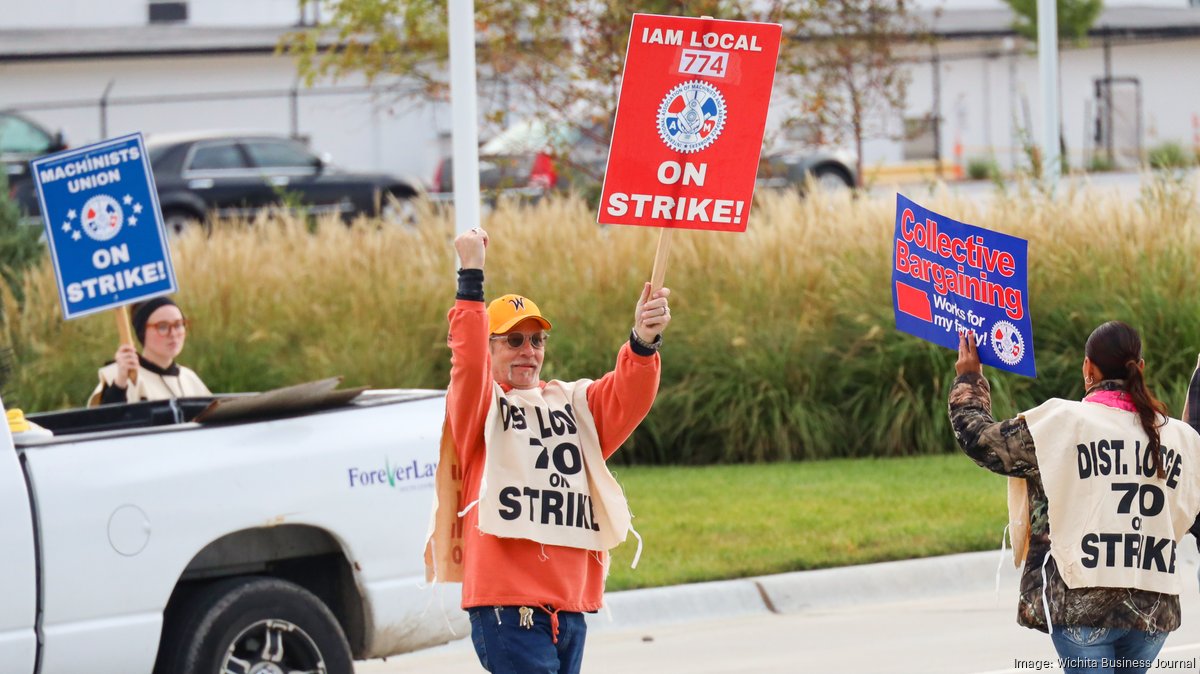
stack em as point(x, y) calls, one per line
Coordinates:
point(18, 564)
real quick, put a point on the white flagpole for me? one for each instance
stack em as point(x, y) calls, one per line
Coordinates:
point(1048, 68)
point(464, 117)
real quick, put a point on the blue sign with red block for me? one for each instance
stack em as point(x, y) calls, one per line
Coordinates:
point(949, 277)
point(103, 225)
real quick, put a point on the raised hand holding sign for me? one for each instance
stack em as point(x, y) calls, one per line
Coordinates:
point(104, 228)
point(949, 277)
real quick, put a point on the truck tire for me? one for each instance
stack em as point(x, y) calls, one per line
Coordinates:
point(254, 624)
point(832, 178)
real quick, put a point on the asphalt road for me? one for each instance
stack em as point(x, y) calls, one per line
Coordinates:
point(1126, 185)
point(969, 633)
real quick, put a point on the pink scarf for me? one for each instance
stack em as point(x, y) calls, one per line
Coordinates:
point(1117, 399)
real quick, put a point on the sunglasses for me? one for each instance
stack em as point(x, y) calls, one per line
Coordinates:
point(516, 340)
point(164, 328)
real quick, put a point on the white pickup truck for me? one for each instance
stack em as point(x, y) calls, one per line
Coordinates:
point(137, 540)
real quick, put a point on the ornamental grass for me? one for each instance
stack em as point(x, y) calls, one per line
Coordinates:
point(781, 347)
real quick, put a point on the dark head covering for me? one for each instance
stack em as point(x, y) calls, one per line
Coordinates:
point(141, 314)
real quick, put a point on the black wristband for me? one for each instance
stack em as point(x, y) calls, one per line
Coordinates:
point(470, 285)
point(642, 348)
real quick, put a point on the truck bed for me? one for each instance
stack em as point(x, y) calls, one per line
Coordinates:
point(106, 420)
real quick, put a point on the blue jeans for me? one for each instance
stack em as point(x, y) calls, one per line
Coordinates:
point(505, 647)
point(1106, 650)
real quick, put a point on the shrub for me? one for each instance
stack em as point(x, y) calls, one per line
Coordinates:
point(782, 346)
point(982, 168)
point(1169, 155)
point(20, 244)
point(1099, 163)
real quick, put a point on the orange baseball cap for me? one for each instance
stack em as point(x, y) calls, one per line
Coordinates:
point(505, 312)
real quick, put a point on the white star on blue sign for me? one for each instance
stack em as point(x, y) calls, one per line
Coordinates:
point(71, 214)
point(75, 236)
point(127, 200)
point(133, 221)
point(137, 208)
point(66, 227)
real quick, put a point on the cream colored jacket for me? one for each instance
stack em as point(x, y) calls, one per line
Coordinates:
point(151, 385)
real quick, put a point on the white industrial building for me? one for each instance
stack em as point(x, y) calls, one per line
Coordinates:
point(1124, 91)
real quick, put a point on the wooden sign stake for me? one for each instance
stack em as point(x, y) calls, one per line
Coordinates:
point(663, 252)
point(661, 255)
point(125, 330)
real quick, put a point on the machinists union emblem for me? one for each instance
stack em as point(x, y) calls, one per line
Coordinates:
point(1007, 342)
point(691, 116)
point(102, 217)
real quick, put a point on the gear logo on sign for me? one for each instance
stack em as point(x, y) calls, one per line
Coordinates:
point(691, 116)
point(1007, 342)
point(102, 218)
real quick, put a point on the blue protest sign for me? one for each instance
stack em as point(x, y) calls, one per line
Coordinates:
point(103, 225)
point(949, 277)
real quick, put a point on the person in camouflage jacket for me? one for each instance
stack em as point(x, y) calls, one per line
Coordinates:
point(1007, 448)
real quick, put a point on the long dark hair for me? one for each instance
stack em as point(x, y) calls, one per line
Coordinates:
point(1116, 348)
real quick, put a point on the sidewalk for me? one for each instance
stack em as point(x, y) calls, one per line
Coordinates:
point(933, 615)
point(805, 590)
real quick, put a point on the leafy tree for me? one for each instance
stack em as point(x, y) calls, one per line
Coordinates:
point(1075, 17)
point(849, 70)
point(565, 59)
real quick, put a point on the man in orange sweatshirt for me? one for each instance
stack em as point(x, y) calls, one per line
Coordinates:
point(542, 509)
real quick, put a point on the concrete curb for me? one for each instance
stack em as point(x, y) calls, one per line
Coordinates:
point(825, 589)
point(679, 603)
point(886, 581)
point(806, 590)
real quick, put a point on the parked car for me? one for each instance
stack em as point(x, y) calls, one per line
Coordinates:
point(201, 176)
point(22, 139)
point(785, 169)
point(143, 537)
point(531, 158)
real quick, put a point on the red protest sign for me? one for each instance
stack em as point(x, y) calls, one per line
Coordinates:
point(689, 123)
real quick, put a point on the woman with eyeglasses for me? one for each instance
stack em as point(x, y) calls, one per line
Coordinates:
point(162, 330)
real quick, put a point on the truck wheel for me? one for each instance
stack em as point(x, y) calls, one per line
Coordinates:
point(259, 625)
point(832, 179)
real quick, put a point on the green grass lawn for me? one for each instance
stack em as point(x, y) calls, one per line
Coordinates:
point(717, 522)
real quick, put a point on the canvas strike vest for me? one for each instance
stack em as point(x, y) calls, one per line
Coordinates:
point(544, 479)
point(151, 385)
point(1112, 522)
point(444, 539)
